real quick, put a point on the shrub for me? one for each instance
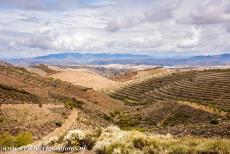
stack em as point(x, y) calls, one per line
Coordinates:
point(6, 140)
point(80, 138)
point(138, 143)
point(23, 138)
point(72, 103)
point(114, 140)
point(40, 104)
point(214, 121)
point(58, 123)
point(107, 117)
point(117, 112)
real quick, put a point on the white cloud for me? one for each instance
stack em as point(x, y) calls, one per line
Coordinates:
point(191, 41)
point(144, 26)
point(158, 15)
point(54, 38)
point(120, 22)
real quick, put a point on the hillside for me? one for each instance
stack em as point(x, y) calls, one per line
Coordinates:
point(138, 74)
point(156, 102)
point(38, 104)
point(112, 140)
point(181, 103)
point(84, 77)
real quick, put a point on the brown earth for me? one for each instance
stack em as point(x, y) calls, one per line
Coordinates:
point(30, 117)
point(137, 74)
point(84, 78)
point(20, 87)
point(141, 103)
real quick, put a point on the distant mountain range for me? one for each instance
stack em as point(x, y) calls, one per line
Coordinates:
point(103, 59)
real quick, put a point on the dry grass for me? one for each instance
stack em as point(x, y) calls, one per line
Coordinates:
point(112, 140)
point(204, 108)
point(32, 118)
point(85, 78)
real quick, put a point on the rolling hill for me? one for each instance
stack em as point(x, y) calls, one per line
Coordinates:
point(84, 77)
point(38, 104)
point(192, 106)
point(105, 59)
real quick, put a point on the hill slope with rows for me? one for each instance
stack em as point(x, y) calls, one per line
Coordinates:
point(191, 102)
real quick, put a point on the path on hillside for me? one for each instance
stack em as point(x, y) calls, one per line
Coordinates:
point(58, 132)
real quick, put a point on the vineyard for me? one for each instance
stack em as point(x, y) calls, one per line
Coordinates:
point(210, 88)
point(191, 102)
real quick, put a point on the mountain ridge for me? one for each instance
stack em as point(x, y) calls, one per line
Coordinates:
point(105, 59)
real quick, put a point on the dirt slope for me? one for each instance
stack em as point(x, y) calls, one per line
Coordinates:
point(85, 78)
point(138, 74)
point(58, 132)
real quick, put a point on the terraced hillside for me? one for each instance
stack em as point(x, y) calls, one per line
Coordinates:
point(211, 88)
point(193, 102)
point(38, 104)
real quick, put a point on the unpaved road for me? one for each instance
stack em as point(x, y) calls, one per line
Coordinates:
point(58, 132)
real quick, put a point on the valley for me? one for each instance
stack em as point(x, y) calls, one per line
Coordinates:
point(160, 101)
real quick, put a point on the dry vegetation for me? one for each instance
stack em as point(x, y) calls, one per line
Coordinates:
point(191, 103)
point(46, 69)
point(209, 88)
point(112, 140)
point(138, 74)
point(37, 104)
point(32, 118)
point(85, 78)
point(184, 103)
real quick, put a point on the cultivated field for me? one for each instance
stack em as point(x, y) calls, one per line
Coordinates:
point(190, 102)
point(154, 101)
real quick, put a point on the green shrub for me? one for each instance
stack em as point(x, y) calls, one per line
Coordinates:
point(72, 103)
point(23, 138)
point(107, 117)
point(214, 121)
point(6, 140)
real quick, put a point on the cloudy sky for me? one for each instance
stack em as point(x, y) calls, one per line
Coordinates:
point(185, 27)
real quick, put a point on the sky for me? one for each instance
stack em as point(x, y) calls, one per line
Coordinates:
point(182, 27)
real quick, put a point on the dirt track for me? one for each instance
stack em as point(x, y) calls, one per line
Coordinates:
point(59, 131)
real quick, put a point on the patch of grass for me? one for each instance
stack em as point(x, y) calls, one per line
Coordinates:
point(126, 121)
point(107, 117)
point(73, 103)
point(114, 140)
point(23, 138)
point(10, 88)
point(69, 102)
